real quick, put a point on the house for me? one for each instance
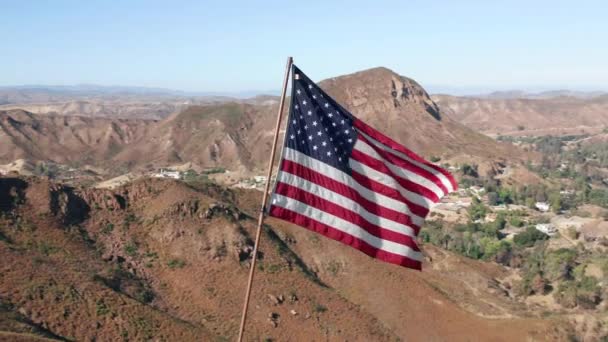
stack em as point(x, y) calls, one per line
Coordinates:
point(166, 173)
point(546, 228)
point(542, 206)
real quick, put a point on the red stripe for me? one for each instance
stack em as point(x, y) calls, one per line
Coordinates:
point(388, 142)
point(346, 191)
point(387, 191)
point(404, 164)
point(379, 166)
point(343, 237)
point(345, 214)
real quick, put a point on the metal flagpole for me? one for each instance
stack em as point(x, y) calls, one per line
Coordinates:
point(264, 199)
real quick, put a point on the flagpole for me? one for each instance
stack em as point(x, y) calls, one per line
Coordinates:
point(264, 198)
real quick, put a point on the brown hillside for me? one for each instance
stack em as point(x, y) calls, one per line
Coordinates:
point(161, 259)
point(558, 115)
point(64, 139)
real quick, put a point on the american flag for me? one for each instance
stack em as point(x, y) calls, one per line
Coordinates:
point(343, 179)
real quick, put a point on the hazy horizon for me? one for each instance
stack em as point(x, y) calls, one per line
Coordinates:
point(202, 47)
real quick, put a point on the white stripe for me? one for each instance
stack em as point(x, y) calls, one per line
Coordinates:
point(389, 181)
point(446, 182)
point(345, 202)
point(344, 226)
point(364, 147)
point(341, 177)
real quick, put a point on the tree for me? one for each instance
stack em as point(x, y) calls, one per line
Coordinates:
point(555, 200)
point(528, 237)
point(477, 210)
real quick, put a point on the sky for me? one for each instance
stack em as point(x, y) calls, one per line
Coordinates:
point(235, 46)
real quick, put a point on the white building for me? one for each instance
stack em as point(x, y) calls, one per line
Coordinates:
point(542, 206)
point(546, 228)
point(164, 173)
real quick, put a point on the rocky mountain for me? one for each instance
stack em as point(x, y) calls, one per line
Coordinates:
point(237, 135)
point(521, 116)
point(160, 259)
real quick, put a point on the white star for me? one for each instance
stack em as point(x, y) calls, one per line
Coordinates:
point(305, 126)
point(292, 137)
point(331, 139)
point(299, 131)
point(314, 147)
point(304, 103)
point(296, 106)
point(314, 123)
point(346, 131)
point(309, 112)
point(342, 122)
point(319, 133)
point(330, 115)
point(301, 117)
point(333, 124)
point(310, 137)
point(328, 154)
point(325, 129)
point(314, 96)
point(350, 140)
point(327, 105)
point(309, 86)
point(298, 91)
point(340, 159)
point(324, 143)
point(294, 122)
point(336, 149)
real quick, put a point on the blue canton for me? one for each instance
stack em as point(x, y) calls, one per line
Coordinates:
point(318, 126)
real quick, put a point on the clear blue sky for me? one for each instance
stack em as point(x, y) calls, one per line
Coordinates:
point(242, 45)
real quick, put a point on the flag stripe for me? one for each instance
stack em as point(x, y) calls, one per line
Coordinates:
point(373, 169)
point(335, 234)
point(290, 183)
point(401, 174)
point(399, 214)
point(346, 227)
point(427, 178)
point(390, 198)
point(399, 150)
point(320, 203)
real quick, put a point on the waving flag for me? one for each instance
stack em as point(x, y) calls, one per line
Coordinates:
point(347, 181)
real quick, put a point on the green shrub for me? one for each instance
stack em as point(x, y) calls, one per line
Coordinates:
point(529, 237)
point(176, 263)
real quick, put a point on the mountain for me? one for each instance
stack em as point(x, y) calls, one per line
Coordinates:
point(50, 93)
point(521, 116)
point(65, 139)
point(520, 94)
point(158, 259)
point(237, 134)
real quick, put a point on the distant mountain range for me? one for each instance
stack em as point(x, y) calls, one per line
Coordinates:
point(61, 93)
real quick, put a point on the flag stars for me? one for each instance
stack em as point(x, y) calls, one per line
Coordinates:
point(345, 131)
point(309, 113)
point(309, 86)
point(304, 103)
point(310, 137)
point(292, 137)
point(314, 147)
point(298, 91)
point(328, 154)
point(319, 133)
point(326, 105)
point(330, 115)
point(314, 123)
point(324, 143)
